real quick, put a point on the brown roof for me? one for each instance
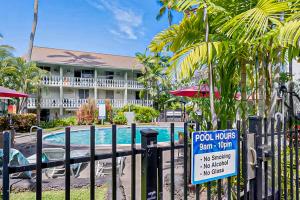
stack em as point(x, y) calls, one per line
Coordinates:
point(44, 55)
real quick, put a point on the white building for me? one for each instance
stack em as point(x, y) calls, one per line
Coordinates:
point(75, 76)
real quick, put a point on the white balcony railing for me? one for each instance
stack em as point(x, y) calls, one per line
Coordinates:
point(75, 82)
point(76, 103)
point(45, 103)
point(90, 82)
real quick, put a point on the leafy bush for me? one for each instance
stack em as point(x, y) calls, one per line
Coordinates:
point(146, 114)
point(69, 121)
point(86, 114)
point(120, 118)
point(109, 111)
point(143, 114)
point(21, 122)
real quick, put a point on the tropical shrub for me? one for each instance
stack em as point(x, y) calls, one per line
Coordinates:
point(143, 114)
point(68, 121)
point(146, 114)
point(109, 111)
point(120, 118)
point(86, 114)
point(21, 122)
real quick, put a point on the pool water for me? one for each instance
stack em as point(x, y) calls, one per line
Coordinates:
point(104, 136)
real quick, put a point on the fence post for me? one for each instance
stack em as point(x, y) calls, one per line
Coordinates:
point(5, 171)
point(255, 126)
point(149, 164)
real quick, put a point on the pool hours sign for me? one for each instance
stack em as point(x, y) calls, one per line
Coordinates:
point(214, 155)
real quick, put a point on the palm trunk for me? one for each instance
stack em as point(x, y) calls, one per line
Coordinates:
point(243, 91)
point(210, 69)
point(33, 30)
point(261, 83)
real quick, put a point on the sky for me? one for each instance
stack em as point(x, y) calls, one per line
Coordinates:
point(121, 27)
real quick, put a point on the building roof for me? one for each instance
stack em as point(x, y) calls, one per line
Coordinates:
point(45, 55)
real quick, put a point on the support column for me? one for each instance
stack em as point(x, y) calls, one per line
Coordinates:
point(61, 92)
point(126, 89)
point(149, 164)
point(95, 85)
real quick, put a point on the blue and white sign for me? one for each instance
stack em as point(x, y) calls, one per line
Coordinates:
point(102, 111)
point(214, 155)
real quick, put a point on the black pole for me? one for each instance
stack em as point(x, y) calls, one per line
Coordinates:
point(149, 164)
point(5, 171)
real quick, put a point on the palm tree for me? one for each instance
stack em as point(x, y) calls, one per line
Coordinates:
point(166, 6)
point(241, 30)
point(22, 76)
point(154, 78)
point(33, 30)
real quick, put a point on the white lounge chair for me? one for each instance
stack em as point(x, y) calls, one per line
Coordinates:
point(105, 167)
point(54, 154)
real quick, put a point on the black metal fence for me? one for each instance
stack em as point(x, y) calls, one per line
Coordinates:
point(267, 156)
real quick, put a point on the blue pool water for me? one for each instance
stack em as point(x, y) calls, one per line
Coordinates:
point(103, 136)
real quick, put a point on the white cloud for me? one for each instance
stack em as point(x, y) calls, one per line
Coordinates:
point(128, 22)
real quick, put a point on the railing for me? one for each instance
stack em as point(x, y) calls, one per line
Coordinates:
point(76, 103)
point(75, 82)
point(52, 80)
point(90, 82)
point(253, 179)
point(45, 103)
point(110, 83)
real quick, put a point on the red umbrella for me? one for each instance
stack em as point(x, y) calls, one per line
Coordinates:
point(201, 91)
point(5, 92)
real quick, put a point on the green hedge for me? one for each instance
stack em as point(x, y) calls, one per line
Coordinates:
point(143, 114)
point(68, 121)
point(120, 118)
point(21, 122)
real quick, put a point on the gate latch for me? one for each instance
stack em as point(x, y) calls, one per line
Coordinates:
point(264, 153)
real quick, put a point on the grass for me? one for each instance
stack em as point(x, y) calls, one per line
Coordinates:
point(76, 194)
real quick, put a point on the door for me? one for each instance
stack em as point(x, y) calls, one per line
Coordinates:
point(109, 75)
point(109, 94)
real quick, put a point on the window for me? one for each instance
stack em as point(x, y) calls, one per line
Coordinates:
point(45, 68)
point(83, 93)
point(109, 75)
point(87, 73)
point(137, 95)
point(109, 94)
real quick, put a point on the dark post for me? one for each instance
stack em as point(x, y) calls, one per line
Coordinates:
point(67, 163)
point(114, 162)
point(6, 152)
point(255, 126)
point(133, 160)
point(149, 164)
point(39, 152)
point(92, 163)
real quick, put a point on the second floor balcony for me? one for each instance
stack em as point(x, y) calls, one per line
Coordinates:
point(90, 82)
point(76, 103)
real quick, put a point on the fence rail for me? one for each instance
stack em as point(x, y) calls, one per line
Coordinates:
point(260, 176)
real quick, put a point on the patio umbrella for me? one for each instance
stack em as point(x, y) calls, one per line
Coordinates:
point(201, 91)
point(5, 92)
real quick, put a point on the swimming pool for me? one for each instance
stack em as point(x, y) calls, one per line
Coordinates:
point(103, 136)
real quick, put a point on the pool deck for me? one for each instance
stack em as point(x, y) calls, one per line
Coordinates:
point(26, 144)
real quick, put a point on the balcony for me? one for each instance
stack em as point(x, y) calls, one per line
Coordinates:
point(76, 103)
point(90, 82)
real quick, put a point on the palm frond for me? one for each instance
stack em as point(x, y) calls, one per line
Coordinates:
point(290, 33)
point(253, 23)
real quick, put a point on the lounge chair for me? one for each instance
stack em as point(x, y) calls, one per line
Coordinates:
point(54, 154)
point(180, 155)
point(105, 167)
point(16, 158)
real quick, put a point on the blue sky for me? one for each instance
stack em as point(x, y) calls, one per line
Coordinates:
point(105, 26)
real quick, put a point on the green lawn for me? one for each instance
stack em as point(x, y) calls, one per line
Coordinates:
point(76, 194)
